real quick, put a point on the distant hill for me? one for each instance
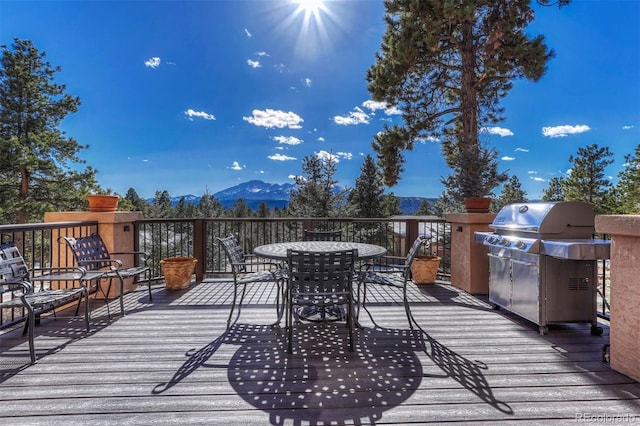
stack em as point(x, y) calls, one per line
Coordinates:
point(255, 192)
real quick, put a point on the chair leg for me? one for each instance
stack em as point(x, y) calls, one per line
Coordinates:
point(350, 324)
point(31, 319)
point(85, 294)
point(149, 287)
point(121, 297)
point(233, 303)
point(407, 308)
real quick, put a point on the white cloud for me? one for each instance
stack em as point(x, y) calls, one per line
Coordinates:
point(507, 158)
point(237, 166)
point(564, 131)
point(261, 172)
point(320, 139)
point(262, 54)
point(281, 157)
point(522, 150)
point(375, 106)
point(357, 116)
point(428, 139)
point(253, 64)
point(152, 63)
point(308, 82)
point(627, 127)
point(198, 114)
point(538, 179)
point(246, 31)
point(500, 131)
point(532, 172)
point(288, 140)
point(270, 118)
point(292, 176)
point(345, 155)
point(279, 148)
point(327, 156)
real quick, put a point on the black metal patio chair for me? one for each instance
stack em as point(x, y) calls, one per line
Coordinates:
point(323, 235)
point(320, 279)
point(17, 291)
point(393, 271)
point(247, 270)
point(91, 253)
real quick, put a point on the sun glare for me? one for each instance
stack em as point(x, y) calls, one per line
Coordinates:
point(310, 6)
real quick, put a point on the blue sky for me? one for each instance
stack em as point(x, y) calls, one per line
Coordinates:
point(186, 96)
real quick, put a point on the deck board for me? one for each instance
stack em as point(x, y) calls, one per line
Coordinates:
point(172, 361)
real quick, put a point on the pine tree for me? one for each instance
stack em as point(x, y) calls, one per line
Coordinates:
point(587, 180)
point(316, 193)
point(366, 198)
point(162, 205)
point(38, 163)
point(138, 203)
point(446, 64)
point(209, 206)
point(628, 187)
point(391, 205)
point(512, 192)
point(425, 208)
point(554, 191)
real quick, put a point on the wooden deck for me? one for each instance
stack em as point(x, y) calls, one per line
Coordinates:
point(172, 361)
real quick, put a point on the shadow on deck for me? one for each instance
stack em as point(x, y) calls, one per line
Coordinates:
point(174, 361)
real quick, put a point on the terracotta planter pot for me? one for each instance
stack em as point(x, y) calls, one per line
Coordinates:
point(177, 272)
point(477, 204)
point(424, 269)
point(103, 203)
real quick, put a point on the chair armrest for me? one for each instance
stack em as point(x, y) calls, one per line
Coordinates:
point(19, 287)
point(240, 264)
point(144, 256)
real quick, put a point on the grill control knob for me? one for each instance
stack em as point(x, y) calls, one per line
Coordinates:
point(506, 243)
point(521, 244)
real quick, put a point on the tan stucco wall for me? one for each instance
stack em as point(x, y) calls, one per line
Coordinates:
point(624, 291)
point(469, 260)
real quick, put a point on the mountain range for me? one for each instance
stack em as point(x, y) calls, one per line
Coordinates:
point(255, 192)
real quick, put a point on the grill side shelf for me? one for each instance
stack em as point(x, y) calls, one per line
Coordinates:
point(579, 249)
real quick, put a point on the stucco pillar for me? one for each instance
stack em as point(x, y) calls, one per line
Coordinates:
point(624, 291)
point(469, 260)
point(116, 230)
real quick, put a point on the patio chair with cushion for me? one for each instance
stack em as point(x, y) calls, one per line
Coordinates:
point(91, 253)
point(247, 270)
point(320, 279)
point(17, 291)
point(323, 235)
point(393, 271)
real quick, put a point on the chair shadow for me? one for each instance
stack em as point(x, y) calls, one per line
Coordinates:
point(67, 330)
point(324, 383)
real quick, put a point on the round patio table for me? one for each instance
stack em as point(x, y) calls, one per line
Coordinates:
point(278, 251)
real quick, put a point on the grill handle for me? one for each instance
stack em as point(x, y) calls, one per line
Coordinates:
point(522, 262)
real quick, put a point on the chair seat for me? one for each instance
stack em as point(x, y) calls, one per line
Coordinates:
point(261, 276)
point(60, 296)
point(370, 277)
point(129, 272)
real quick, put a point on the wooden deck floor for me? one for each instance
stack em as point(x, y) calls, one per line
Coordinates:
point(172, 361)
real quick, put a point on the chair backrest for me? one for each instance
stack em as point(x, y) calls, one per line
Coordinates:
point(415, 247)
point(233, 251)
point(90, 248)
point(12, 265)
point(323, 235)
point(317, 273)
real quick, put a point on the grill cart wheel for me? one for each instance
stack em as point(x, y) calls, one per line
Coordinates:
point(596, 330)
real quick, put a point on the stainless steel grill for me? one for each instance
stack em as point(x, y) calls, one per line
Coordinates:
point(543, 262)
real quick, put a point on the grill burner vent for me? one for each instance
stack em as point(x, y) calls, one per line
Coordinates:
point(578, 284)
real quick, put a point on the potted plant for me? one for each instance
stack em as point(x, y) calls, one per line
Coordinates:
point(177, 272)
point(103, 202)
point(474, 174)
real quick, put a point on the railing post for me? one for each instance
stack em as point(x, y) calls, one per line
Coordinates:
point(411, 227)
point(199, 247)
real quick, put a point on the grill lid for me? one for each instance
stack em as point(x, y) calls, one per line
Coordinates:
point(564, 219)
